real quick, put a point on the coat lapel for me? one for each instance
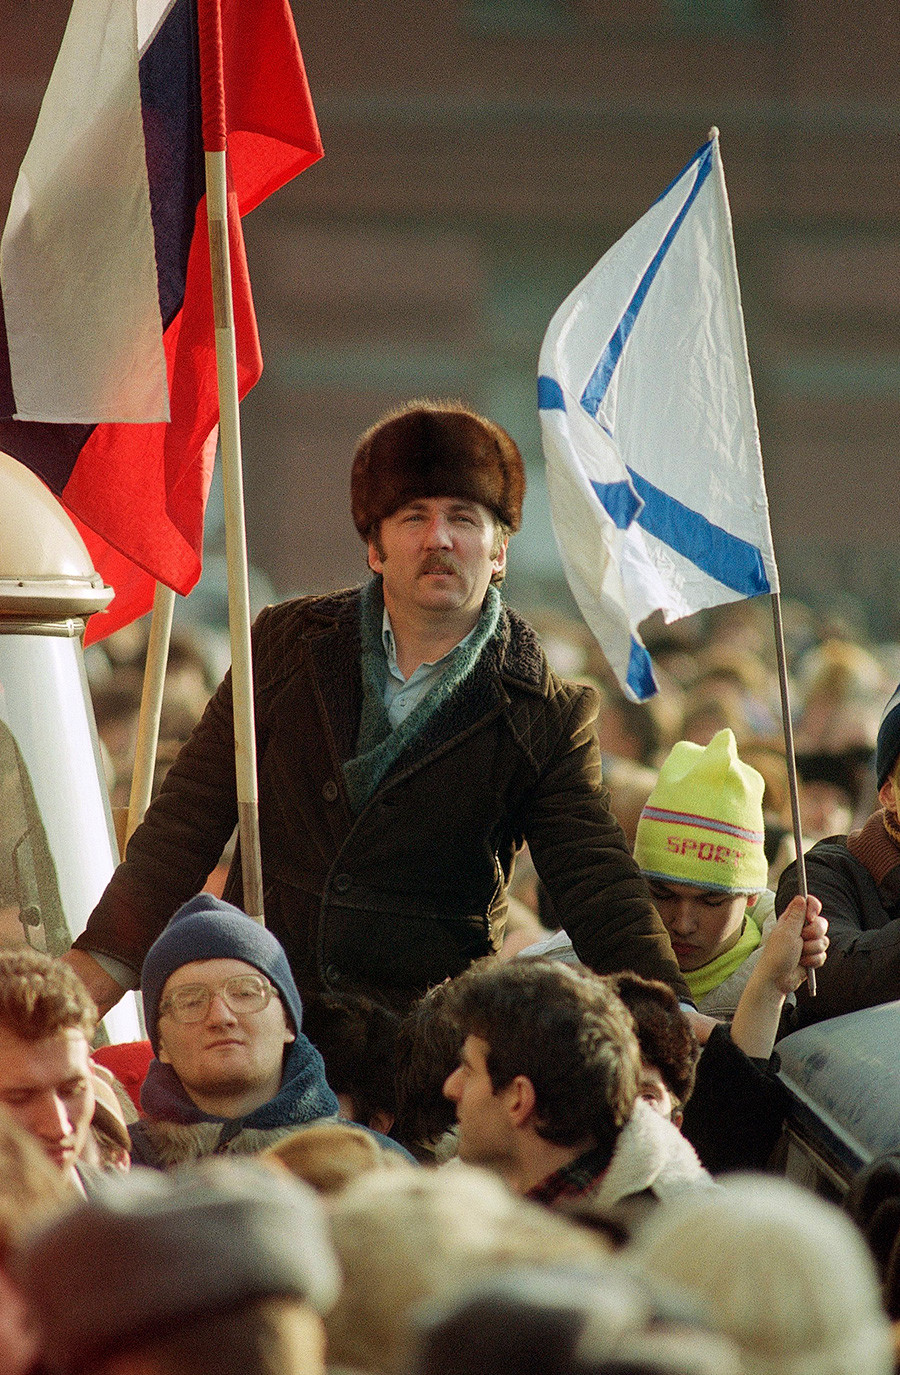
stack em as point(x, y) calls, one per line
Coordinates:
point(334, 652)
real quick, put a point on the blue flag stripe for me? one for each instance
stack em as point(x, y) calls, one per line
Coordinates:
point(704, 151)
point(618, 501)
point(729, 559)
point(170, 106)
point(640, 672)
point(598, 383)
point(550, 394)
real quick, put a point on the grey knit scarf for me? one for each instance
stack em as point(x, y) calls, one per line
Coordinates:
point(379, 744)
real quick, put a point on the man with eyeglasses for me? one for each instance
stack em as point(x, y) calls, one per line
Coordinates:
point(233, 1071)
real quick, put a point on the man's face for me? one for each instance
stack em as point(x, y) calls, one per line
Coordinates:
point(486, 1134)
point(702, 923)
point(46, 1086)
point(889, 792)
point(654, 1090)
point(226, 1053)
point(437, 555)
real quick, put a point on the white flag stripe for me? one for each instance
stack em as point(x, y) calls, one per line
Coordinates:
point(645, 393)
point(78, 271)
point(151, 15)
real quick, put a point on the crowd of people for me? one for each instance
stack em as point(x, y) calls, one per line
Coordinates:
point(495, 1086)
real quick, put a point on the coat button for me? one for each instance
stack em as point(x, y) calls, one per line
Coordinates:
point(330, 790)
point(332, 974)
point(341, 883)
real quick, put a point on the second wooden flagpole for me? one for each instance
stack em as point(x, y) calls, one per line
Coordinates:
point(791, 763)
point(214, 140)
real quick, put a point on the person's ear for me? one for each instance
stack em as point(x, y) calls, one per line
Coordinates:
point(887, 796)
point(520, 1099)
point(752, 900)
point(162, 1054)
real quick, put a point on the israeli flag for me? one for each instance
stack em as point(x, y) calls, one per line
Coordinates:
point(654, 466)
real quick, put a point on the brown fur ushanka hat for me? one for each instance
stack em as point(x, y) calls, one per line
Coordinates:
point(435, 449)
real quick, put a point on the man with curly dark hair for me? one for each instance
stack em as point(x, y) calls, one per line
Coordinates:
point(669, 1048)
point(547, 1092)
point(427, 1050)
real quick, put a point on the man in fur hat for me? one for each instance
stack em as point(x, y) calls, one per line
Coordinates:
point(411, 736)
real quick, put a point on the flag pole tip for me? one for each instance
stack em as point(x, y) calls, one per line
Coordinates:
point(713, 133)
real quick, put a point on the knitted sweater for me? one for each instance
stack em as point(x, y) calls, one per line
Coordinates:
point(379, 744)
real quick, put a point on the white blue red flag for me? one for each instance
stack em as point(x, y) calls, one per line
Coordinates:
point(654, 466)
point(107, 342)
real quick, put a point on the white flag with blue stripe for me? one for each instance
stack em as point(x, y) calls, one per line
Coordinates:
point(654, 467)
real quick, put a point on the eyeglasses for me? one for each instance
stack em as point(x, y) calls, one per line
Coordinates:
point(245, 993)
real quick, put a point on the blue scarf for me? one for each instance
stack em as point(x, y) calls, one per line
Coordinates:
point(304, 1094)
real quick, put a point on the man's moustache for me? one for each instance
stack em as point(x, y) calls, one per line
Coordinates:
point(439, 565)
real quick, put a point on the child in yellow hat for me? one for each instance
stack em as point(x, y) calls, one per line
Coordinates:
point(699, 844)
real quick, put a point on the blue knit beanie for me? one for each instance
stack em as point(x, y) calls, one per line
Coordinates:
point(208, 929)
point(888, 744)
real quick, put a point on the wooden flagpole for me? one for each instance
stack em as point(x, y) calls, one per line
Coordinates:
point(787, 726)
point(215, 150)
point(791, 758)
point(151, 707)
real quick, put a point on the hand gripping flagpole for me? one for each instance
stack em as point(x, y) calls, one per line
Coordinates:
point(215, 149)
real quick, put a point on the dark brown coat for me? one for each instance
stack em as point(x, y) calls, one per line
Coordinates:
point(414, 887)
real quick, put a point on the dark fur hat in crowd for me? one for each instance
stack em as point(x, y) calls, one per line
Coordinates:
point(150, 1253)
point(435, 449)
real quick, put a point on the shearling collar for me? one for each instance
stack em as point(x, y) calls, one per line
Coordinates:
point(379, 745)
point(650, 1157)
point(650, 1154)
point(517, 652)
point(162, 1145)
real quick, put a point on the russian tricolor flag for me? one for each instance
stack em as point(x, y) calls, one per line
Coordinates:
point(107, 346)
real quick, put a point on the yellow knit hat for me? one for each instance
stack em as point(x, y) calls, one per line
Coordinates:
point(703, 822)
